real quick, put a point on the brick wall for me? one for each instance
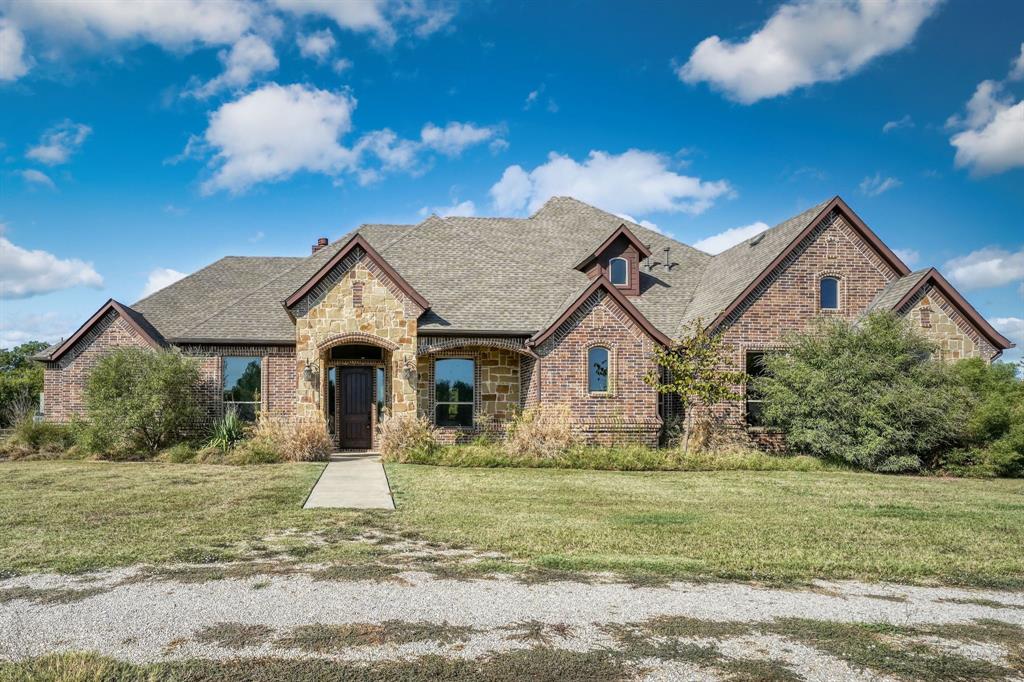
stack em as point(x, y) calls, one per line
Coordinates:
point(64, 380)
point(629, 410)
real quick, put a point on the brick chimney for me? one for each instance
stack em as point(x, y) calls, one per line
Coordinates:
point(320, 243)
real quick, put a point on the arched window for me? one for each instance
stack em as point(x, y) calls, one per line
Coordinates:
point(597, 370)
point(618, 271)
point(828, 290)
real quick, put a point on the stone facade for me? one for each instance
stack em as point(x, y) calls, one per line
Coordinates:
point(64, 380)
point(939, 322)
point(355, 303)
point(629, 410)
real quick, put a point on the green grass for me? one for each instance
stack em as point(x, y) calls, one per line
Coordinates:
point(779, 527)
point(773, 526)
point(74, 516)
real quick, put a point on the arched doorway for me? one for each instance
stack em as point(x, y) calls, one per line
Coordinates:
point(356, 387)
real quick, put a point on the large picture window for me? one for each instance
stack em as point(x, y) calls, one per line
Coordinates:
point(242, 381)
point(597, 370)
point(755, 402)
point(453, 391)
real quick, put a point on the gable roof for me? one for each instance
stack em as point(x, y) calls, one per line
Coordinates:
point(737, 272)
point(902, 291)
point(600, 282)
point(357, 241)
point(511, 276)
point(138, 323)
point(620, 231)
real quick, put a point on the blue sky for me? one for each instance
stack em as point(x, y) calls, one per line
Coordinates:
point(144, 140)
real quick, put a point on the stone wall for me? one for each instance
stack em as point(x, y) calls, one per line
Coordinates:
point(355, 303)
point(941, 323)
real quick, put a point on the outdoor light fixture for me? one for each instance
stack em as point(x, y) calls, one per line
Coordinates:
point(409, 371)
point(310, 372)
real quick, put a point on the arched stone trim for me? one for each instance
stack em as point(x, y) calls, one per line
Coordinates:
point(429, 345)
point(841, 298)
point(356, 337)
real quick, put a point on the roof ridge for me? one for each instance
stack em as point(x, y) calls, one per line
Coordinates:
point(191, 274)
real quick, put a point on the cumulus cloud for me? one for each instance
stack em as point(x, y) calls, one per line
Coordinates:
point(632, 182)
point(717, 243)
point(1017, 69)
point(18, 329)
point(341, 65)
point(25, 273)
point(273, 132)
point(991, 137)
point(456, 209)
point(247, 59)
point(59, 142)
point(987, 267)
point(160, 278)
point(1011, 327)
point(908, 256)
point(34, 177)
point(385, 19)
point(905, 122)
point(874, 185)
point(803, 43)
point(317, 45)
point(13, 62)
point(455, 137)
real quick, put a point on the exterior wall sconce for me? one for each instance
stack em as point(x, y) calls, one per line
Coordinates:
point(310, 372)
point(409, 370)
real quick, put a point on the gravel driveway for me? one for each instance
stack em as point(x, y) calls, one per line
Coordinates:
point(131, 615)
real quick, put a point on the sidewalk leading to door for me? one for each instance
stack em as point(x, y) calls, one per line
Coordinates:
point(355, 481)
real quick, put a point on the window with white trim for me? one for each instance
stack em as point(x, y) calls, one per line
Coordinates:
point(618, 271)
point(828, 293)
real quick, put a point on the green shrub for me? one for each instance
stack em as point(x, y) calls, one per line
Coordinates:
point(865, 394)
point(141, 399)
point(21, 381)
point(42, 435)
point(405, 437)
point(229, 431)
point(181, 453)
point(253, 451)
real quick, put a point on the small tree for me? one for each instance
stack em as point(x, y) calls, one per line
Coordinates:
point(21, 381)
point(866, 393)
point(697, 371)
point(142, 399)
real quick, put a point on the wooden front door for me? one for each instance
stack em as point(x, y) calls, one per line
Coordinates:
point(354, 417)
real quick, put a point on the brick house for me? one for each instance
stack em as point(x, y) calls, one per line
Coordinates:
point(467, 320)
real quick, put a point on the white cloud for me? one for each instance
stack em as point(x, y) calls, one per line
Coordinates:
point(34, 177)
point(455, 137)
point(160, 278)
point(987, 267)
point(13, 62)
point(717, 243)
point(531, 99)
point(247, 59)
point(59, 142)
point(18, 329)
point(317, 45)
point(1010, 327)
point(393, 152)
point(1017, 70)
point(457, 208)
point(383, 18)
point(653, 227)
point(172, 24)
point(905, 122)
point(803, 43)
point(276, 131)
point(992, 135)
point(342, 65)
point(874, 185)
point(632, 182)
point(908, 256)
point(25, 273)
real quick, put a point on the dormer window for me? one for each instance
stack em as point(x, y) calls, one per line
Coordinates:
point(618, 271)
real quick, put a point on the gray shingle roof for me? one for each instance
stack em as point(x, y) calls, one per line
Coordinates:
point(893, 293)
point(509, 275)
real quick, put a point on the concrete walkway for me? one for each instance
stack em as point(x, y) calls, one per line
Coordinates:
point(352, 481)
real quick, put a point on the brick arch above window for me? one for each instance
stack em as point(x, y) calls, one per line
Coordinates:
point(840, 290)
point(356, 337)
point(610, 390)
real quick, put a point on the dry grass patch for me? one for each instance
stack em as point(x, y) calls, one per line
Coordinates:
point(49, 595)
point(234, 635)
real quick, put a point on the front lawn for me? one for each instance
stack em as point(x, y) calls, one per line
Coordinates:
point(775, 526)
point(778, 526)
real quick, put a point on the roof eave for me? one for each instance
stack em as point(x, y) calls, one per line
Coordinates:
point(123, 311)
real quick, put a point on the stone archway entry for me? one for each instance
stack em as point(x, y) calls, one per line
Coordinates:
point(355, 416)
